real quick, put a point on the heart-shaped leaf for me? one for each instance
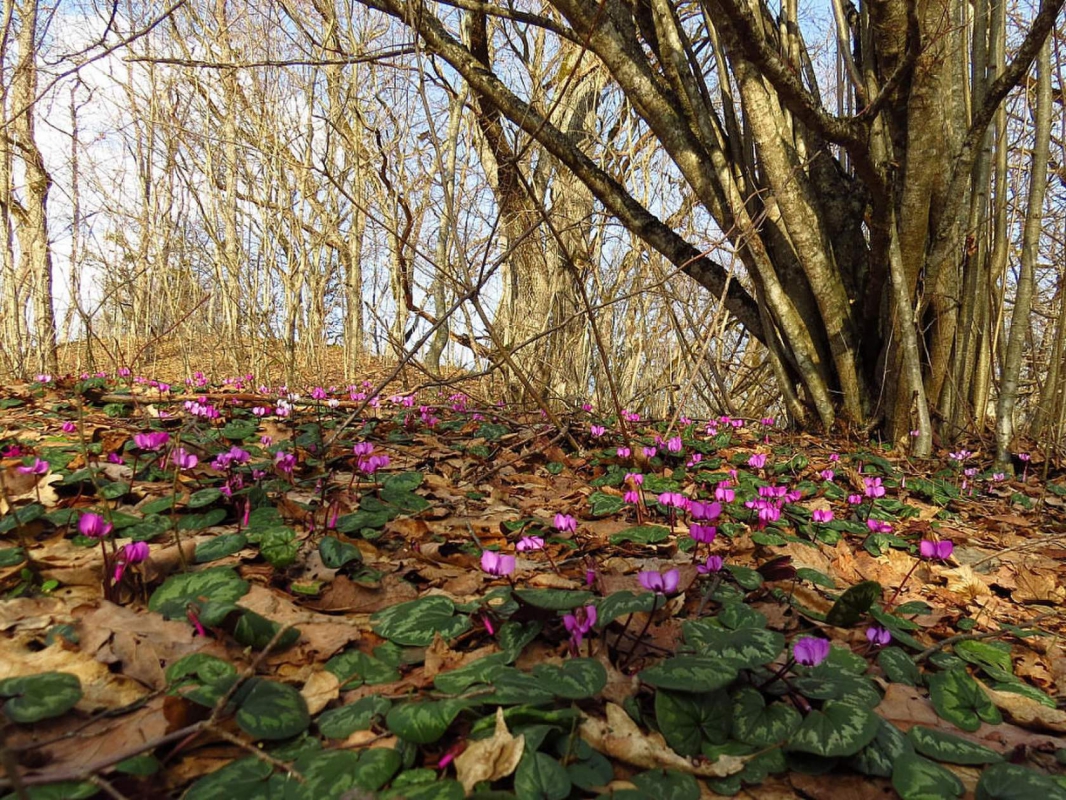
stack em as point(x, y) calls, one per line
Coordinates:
point(918, 778)
point(856, 601)
point(354, 667)
point(38, 697)
point(256, 631)
point(272, 711)
point(415, 623)
point(879, 756)
point(576, 679)
point(760, 725)
point(899, 667)
point(992, 657)
point(219, 547)
point(603, 505)
point(641, 534)
point(839, 729)
point(340, 723)
point(554, 599)
point(667, 784)
point(688, 720)
point(246, 777)
point(541, 776)
point(622, 604)
point(1013, 782)
point(950, 748)
point(482, 670)
point(335, 553)
point(959, 699)
point(211, 592)
point(744, 648)
point(423, 723)
point(690, 674)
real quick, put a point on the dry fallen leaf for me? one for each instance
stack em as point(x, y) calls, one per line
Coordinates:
point(1027, 712)
point(320, 688)
point(490, 759)
point(619, 737)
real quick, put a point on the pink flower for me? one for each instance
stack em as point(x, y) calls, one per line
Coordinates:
point(634, 477)
point(834, 456)
point(675, 499)
point(874, 487)
point(878, 526)
point(854, 499)
point(877, 635)
point(152, 440)
point(597, 430)
point(579, 624)
point(937, 551)
point(665, 582)
point(757, 460)
point(704, 534)
point(285, 462)
point(810, 650)
point(631, 496)
point(529, 543)
point(93, 525)
point(712, 565)
point(674, 445)
point(624, 452)
point(564, 522)
point(822, 515)
point(704, 511)
point(649, 452)
point(827, 475)
point(38, 467)
point(69, 427)
point(363, 449)
point(132, 553)
point(723, 493)
point(184, 459)
point(497, 564)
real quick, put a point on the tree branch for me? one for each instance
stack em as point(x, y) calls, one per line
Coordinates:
point(606, 189)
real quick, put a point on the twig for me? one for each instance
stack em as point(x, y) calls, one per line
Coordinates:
point(973, 637)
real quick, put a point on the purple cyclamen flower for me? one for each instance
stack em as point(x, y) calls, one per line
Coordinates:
point(93, 525)
point(810, 650)
point(624, 452)
point(704, 511)
point(580, 623)
point(152, 441)
point(874, 487)
point(529, 543)
point(497, 564)
point(877, 635)
point(712, 565)
point(38, 467)
point(597, 430)
point(723, 493)
point(674, 445)
point(767, 422)
point(635, 478)
point(631, 496)
point(184, 459)
point(564, 522)
point(285, 462)
point(854, 499)
point(133, 553)
point(827, 475)
point(757, 460)
point(822, 515)
point(937, 551)
point(834, 456)
point(649, 452)
point(704, 534)
point(363, 449)
point(665, 582)
point(675, 499)
point(878, 526)
point(69, 427)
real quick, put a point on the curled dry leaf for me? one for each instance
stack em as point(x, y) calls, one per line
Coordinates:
point(619, 737)
point(490, 759)
point(320, 688)
point(1026, 712)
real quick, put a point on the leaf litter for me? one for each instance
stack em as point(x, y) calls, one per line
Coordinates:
point(434, 599)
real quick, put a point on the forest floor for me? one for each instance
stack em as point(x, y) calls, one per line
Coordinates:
point(215, 593)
